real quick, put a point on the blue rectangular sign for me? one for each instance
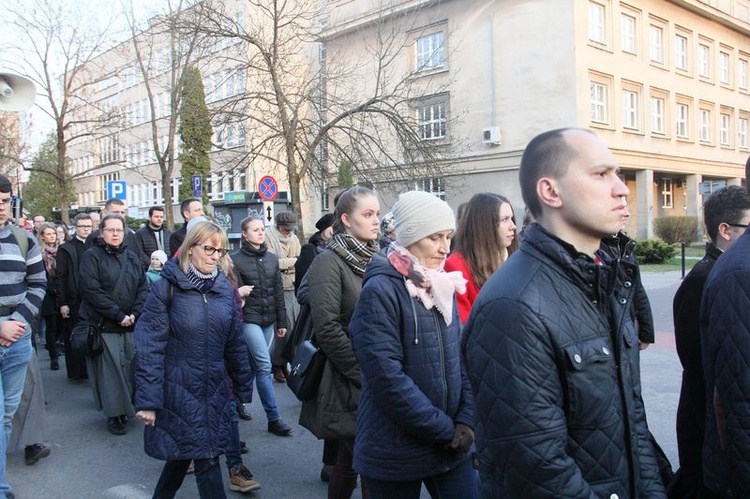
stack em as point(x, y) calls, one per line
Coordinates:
point(197, 185)
point(117, 189)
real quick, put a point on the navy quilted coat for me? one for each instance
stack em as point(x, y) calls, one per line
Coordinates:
point(182, 358)
point(725, 342)
point(414, 389)
point(552, 354)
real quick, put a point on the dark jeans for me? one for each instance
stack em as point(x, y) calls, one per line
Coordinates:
point(343, 477)
point(207, 476)
point(330, 451)
point(458, 483)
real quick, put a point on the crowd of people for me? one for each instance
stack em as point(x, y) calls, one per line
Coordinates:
point(460, 354)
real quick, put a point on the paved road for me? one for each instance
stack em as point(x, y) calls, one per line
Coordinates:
point(88, 462)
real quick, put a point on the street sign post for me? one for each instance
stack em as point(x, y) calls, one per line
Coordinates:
point(117, 189)
point(268, 188)
point(197, 181)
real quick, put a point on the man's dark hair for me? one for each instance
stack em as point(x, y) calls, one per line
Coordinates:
point(5, 185)
point(185, 205)
point(111, 201)
point(725, 206)
point(547, 155)
point(81, 216)
point(153, 209)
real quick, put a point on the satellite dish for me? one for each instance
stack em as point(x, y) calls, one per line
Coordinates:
point(17, 93)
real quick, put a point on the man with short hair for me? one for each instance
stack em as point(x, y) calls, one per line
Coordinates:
point(38, 221)
point(725, 353)
point(95, 218)
point(153, 236)
point(67, 265)
point(551, 346)
point(23, 282)
point(726, 214)
point(190, 208)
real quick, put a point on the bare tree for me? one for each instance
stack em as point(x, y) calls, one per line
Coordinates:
point(162, 53)
point(305, 114)
point(13, 147)
point(57, 44)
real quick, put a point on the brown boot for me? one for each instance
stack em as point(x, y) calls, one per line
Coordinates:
point(278, 375)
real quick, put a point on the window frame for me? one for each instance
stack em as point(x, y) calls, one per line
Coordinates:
point(725, 127)
point(597, 25)
point(681, 54)
point(430, 52)
point(661, 97)
point(680, 120)
point(666, 185)
point(629, 39)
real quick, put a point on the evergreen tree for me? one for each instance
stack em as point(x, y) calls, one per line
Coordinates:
point(195, 131)
point(42, 192)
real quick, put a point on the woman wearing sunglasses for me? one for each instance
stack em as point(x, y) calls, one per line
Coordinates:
point(264, 314)
point(113, 289)
point(189, 342)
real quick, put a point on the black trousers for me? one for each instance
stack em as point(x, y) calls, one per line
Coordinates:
point(207, 476)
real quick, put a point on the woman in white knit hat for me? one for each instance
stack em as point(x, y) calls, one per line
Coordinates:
point(416, 411)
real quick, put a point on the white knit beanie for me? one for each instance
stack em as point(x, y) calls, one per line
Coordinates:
point(418, 214)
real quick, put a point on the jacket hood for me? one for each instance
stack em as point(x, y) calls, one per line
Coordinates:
point(379, 265)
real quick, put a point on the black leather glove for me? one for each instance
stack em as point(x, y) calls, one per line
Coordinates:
point(462, 438)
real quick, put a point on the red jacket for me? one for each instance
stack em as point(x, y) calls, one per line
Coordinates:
point(456, 262)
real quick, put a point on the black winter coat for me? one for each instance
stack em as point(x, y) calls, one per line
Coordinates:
point(187, 345)
point(414, 389)
point(259, 267)
point(552, 354)
point(725, 344)
point(691, 411)
point(145, 239)
point(623, 248)
point(176, 239)
point(100, 268)
point(66, 277)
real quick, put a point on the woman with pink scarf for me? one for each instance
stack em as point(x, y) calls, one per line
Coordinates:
point(414, 423)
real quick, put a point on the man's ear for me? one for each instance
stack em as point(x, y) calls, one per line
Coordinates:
point(724, 231)
point(546, 190)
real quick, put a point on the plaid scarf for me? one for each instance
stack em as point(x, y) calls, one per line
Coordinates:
point(354, 252)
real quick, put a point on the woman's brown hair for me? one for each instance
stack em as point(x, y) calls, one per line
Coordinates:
point(477, 237)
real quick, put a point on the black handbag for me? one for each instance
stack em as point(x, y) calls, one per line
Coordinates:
point(308, 363)
point(86, 339)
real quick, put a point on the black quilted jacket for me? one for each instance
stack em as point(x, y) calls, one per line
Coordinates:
point(725, 344)
point(259, 267)
point(552, 355)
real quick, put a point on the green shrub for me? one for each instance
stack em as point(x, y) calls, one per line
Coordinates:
point(677, 229)
point(654, 251)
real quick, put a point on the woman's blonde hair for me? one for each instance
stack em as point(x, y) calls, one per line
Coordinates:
point(40, 233)
point(203, 231)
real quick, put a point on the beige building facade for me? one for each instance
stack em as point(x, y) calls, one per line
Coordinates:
point(664, 83)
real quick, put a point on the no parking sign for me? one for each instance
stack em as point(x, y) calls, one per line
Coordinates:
point(268, 188)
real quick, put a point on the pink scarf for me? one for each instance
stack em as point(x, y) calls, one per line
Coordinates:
point(434, 288)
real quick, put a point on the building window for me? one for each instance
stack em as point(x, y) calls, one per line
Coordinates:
point(724, 68)
point(704, 56)
point(682, 112)
point(627, 27)
point(432, 121)
point(599, 103)
point(742, 133)
point(433, 185)
point(597, 26)
point(657, 115)
point(667, 191)
point(656, 45)
point(430, 51)
point(109, 149)
point(102, 181)
point(629, 109)
point(704, 125)
point(742, 74)
point(725, 124)
point(681, 52)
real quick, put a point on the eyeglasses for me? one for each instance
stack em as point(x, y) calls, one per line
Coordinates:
point(739, 226)
point(112, 230)
point(210, 250)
